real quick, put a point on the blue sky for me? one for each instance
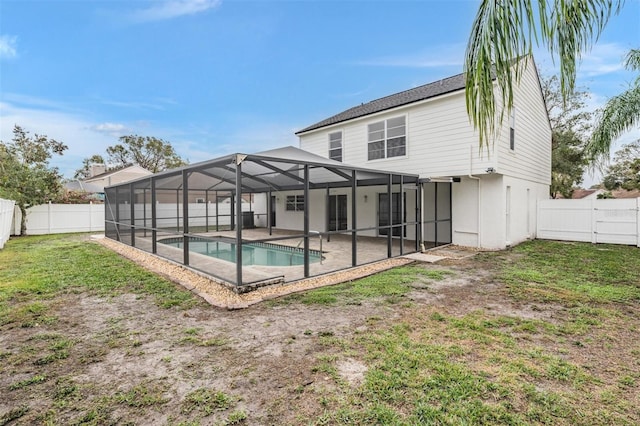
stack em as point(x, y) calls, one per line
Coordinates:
point(216, 77)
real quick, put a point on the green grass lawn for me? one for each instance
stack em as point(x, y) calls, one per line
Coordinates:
point(545, 333)
point(36, 269)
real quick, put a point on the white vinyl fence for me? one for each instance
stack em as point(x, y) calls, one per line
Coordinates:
point(6, 217)
point(613, 221)
point(62, 218)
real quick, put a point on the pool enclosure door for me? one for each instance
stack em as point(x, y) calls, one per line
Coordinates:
point(383, 213)
point(337, 212)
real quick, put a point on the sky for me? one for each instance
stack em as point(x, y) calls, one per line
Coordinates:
point(215, 77)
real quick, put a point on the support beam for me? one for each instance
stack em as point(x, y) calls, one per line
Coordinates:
point(252, 177)
point(328, 213)
point(354, 202)
point(277, 170)
point(402, 218)
point(131, 215)
point(306, 220)
point(269, 211)
point(390, 216)
point(238, 221)
point(340, 173)
point(154, 220)
point(117, 215)
point(206, 210)
point(217, 213)
point(185, 217)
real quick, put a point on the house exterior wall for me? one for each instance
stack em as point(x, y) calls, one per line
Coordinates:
point(124, 175)
point(531, 158)
point(441, 142)
point(367, 210)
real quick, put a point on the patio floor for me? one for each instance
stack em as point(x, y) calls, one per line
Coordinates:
point(336, 254)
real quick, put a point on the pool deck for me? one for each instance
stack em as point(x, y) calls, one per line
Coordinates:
point(337, 255)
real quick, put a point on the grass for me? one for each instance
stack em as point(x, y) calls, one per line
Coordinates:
point(485, 368)
point(206, 401)
point(52, 264)
point(573, 359)
point(391, 285)
point(548, 271)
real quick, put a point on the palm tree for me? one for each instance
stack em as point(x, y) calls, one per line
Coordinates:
point(620, 114)
point(505, 30)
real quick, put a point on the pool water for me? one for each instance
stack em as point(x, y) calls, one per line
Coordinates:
point(264, 254)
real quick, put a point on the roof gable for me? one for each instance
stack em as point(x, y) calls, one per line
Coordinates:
point(420, 93)
point(142, 170)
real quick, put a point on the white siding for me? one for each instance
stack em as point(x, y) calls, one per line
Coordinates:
point(531, 158)
point(440, 140)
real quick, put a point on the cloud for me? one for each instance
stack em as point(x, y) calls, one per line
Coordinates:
point(8, 46)
point(112, 129)
point(604, 58)
point(169, 9)
point(451, 55)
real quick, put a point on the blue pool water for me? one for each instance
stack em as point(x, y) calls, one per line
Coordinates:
point(264, 254)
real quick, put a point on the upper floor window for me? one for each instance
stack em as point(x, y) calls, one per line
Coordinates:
point(512, 129)
point(387, 138)
point(335, 146)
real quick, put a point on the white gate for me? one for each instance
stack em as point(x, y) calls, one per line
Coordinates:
point(613, 221)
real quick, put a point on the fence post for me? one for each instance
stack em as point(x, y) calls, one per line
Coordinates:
point(49, 218)
point(90, 216)
point(594, 228)
point(638, 222)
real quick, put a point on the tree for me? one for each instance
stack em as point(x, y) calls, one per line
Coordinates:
point(625, 171)
point(151, 153)
point(570, 124)
point(504, 31)
point(25, 174)
point(620, 114)
point(85, 171)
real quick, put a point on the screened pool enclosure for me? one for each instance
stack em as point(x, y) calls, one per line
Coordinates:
point(277, 216)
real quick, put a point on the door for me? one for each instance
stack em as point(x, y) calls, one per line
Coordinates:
point(337, 212)
point(273, 210)
point(396, 219)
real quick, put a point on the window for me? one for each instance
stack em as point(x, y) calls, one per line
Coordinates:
point(335, 146)
point(295, 203)
point(387, 138)
point(512, 129)
point(199, 200)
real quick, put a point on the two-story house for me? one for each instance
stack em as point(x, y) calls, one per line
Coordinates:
point(470, 197)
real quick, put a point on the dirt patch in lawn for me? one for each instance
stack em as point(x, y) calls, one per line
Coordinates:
point(124, 360)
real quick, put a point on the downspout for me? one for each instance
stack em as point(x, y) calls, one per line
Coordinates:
point(422, 217)
point(470, 176)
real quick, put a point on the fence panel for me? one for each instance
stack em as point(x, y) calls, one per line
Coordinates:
point(6, 218)
point(614, 221)
point(62, 218)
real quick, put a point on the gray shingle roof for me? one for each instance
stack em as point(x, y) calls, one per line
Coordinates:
point(420, 93)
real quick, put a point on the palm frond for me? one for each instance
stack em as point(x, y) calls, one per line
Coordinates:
point(504, 31)
point(621, 113)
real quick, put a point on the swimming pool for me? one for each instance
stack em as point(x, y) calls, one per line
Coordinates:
point(265, 254)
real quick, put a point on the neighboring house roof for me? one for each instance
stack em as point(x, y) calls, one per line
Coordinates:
point(623, 193)
point(420, 93)
point(579, 194)
point(79, 185)
point(101, 176)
